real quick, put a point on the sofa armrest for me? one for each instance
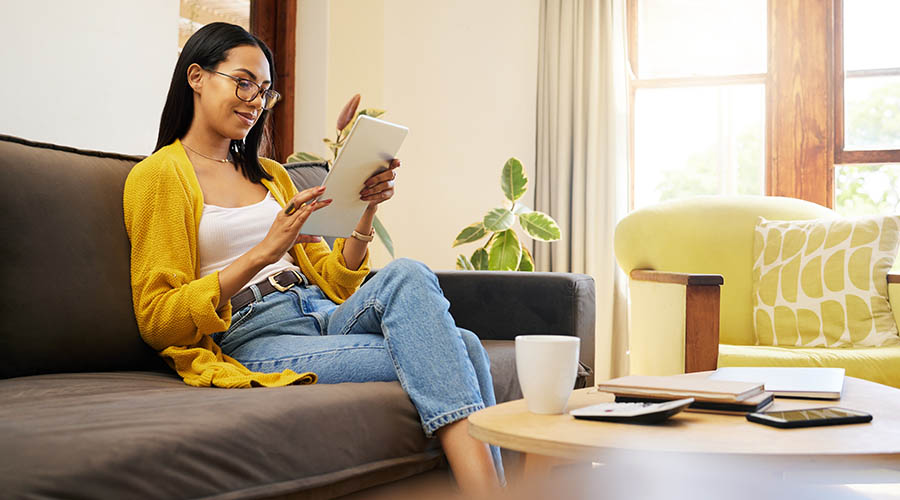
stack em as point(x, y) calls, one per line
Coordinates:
point(498, 305)
point(673, 322)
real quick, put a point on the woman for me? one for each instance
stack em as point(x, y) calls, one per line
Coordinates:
point(232, 295)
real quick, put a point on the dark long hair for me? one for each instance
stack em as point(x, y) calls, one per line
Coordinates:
point(208, 47)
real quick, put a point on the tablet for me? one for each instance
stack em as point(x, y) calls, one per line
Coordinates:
point(369, 148)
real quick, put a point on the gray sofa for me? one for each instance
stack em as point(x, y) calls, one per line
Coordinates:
point(87, 410)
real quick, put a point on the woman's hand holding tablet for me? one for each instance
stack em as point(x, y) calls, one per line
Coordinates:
point(371, 149)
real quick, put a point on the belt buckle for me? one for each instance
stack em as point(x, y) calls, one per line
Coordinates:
point(280, 288)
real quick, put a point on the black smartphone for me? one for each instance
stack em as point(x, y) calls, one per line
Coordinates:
point(810, 417)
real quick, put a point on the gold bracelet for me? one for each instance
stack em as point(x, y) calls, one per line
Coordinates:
point(363, 237)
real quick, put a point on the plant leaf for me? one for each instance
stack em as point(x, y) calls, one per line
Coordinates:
point(499, 219)
point(513, 180)
point(540, 226)
point(328, 141)
point(520, 209)
point(383, 235)
point(301, 156)
point(505, 252)
point(480, 259)
point(347, 112)
point(373, 112)
point(526, 263)
point(463, 264)
point(470, 233)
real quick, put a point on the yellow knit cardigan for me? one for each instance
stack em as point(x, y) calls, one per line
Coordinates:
point(176, 311)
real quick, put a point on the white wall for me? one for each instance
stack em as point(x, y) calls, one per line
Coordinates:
point(462, 76)
point(91, 74)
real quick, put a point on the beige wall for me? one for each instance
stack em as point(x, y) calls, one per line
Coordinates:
point(461, 75)
point(311, 99)
point(89, 75)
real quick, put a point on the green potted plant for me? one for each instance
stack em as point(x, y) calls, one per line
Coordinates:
point(345, 122)
point(503, 251)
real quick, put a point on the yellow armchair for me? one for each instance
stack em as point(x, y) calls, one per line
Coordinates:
point(690, 290)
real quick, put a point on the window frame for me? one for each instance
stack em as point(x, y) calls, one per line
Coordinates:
point(275, 23)
point(635, 83)
point(843, 156)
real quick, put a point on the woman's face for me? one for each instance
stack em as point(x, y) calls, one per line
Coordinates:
point(219, 105)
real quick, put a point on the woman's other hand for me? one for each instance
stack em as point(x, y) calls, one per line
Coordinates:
point(380, 187)
point(307, 238)
point(285, 230)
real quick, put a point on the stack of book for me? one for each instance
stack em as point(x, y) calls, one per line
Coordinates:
point(710, 396)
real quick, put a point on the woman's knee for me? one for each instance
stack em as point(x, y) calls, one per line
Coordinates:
point(474, 346)
point(406, 265)
point(409, 269)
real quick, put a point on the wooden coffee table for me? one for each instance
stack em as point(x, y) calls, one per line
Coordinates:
point(876, 444)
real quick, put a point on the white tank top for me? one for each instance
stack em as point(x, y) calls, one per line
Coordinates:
point(227, 233)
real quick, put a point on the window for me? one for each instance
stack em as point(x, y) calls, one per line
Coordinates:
point(697, 94)
point(194, 14)
point(829, 72)
point(867, 107)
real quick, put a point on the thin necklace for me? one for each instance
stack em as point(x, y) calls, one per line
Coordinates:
point(203, 155)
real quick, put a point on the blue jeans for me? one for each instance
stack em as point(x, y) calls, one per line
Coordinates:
point(396, 327)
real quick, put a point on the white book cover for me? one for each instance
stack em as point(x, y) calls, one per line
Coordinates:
point(794, 382)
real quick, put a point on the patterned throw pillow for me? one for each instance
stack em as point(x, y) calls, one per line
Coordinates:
point(824, 282)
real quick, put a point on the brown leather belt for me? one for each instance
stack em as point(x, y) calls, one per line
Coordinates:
point(281, 282)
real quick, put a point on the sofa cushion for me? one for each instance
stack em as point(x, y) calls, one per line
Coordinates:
point(878, 364)
point(503, 369)
point(148, 435)
point(66, 300)
point(824, 282)
point(306, 174)
point(109, 435)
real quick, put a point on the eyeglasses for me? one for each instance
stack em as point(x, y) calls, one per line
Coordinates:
point(247, 90)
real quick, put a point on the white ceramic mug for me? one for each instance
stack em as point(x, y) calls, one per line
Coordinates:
point(547, 366)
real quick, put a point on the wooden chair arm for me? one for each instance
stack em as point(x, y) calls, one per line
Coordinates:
point(701, 333)
point(893, 278)
point(678, 278)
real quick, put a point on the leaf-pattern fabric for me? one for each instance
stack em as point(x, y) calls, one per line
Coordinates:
point(824, 282)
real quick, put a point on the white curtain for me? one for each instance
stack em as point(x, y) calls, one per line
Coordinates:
point(581, 171)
